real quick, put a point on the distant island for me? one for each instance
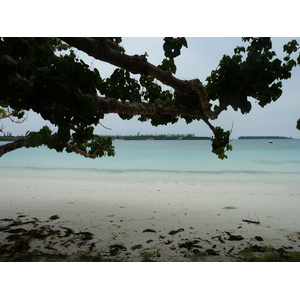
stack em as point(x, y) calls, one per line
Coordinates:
point(9, 137)
point(267, 137)
point(160, 137)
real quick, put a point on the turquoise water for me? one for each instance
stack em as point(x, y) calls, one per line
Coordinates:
point(250, 160)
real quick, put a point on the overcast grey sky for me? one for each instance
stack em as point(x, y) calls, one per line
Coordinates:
point(197, 61)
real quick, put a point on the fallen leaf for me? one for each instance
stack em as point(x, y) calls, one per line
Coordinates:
point(53, 238)
point(218, 214)
point(173, 248)
point(185, 214)
point(118, 226)
point(191, 227)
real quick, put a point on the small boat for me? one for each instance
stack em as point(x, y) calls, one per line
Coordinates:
point(270, 142)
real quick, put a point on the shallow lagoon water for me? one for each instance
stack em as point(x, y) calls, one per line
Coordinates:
point(250, 160)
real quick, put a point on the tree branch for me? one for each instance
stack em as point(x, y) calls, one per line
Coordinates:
point(103, 49)
point(12, 146)
point(81, 152)
point(198, 87)
point(111, 105)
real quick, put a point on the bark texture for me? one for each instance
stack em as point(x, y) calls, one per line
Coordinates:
point(12, 146)
point(111, 105)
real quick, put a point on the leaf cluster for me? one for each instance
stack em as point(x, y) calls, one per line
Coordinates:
point(251, 72)
point(220, 142)
point(172, 48)
point(121, 86)
point(58, 86)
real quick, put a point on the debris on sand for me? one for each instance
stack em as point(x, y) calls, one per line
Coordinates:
point(149, 230)
point(172, 232)
point(115, 249)
point(54, 217)
point(249, 220)
point(234, 237)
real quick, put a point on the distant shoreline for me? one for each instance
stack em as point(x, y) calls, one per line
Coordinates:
point(134, 137)
point(163, 137)
point(267, 137)
point(160, 137)
point(11, 138)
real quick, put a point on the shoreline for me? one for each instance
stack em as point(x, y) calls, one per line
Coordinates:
point(173, 220)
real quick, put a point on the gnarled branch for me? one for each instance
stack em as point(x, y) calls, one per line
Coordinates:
point(102, 49)
point(111, 105)
point(198, 87)
point(81, 152)
point(12, 146)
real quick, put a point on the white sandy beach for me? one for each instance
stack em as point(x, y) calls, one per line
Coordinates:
point(160, 217)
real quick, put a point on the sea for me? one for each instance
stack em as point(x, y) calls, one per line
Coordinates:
point(252, 160)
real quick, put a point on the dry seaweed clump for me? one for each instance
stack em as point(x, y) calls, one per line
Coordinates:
point(35, 240)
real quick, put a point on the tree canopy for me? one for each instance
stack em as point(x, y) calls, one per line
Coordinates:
point(46, 76)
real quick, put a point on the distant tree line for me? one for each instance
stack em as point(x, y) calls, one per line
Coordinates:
point(160, 137)
point(269, 137)
point(7, 136)
point(7, 133)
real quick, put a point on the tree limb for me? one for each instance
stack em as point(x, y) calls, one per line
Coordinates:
point(111, 105)
point(198, 87)
point(102, 49)
point(12, 146)
point(81, 152)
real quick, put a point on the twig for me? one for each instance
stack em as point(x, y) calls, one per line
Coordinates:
point(250, 221)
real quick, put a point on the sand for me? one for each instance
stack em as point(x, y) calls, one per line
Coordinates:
point(171, 220)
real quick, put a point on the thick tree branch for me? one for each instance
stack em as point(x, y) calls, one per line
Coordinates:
point(198, 87)
point(111, 105)
point(100, 48)
point(104, 50)
point(12, 146)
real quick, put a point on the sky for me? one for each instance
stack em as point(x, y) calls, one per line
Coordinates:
point(197, 61)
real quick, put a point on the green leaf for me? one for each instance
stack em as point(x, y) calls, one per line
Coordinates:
point(3, 112)
point(184, 42)
point(298, 124)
